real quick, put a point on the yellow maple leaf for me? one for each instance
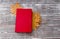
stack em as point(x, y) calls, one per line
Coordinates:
point(36, 20)
point(13, 8)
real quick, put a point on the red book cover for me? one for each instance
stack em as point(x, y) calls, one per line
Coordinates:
point(23, 20)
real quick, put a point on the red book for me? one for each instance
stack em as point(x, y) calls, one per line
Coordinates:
point(23, 20)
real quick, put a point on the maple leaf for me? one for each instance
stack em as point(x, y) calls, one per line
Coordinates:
point(13, 8)
point(36, 20)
